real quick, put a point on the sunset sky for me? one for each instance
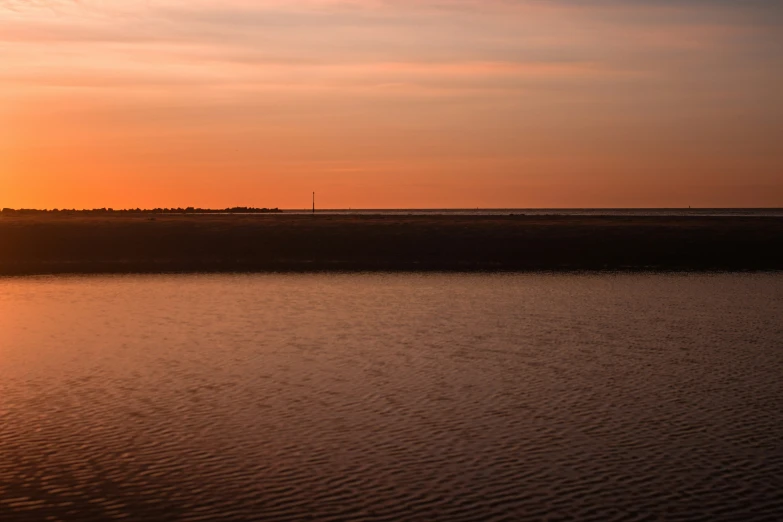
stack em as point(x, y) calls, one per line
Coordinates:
point(391, 103)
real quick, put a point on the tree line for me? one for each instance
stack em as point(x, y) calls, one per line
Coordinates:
point(178, 210)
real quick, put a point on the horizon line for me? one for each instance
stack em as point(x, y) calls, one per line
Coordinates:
point(239, 209)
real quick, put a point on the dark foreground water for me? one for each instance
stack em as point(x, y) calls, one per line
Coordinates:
point(392, 397)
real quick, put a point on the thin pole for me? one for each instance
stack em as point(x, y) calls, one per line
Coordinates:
point(313, 202)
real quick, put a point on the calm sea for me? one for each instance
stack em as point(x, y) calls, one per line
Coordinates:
point(624, 212)
point(392, 397)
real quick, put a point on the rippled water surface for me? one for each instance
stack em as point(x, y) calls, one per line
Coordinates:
point(392, 397)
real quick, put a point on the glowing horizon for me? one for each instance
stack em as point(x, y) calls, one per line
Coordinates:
point(391, 104)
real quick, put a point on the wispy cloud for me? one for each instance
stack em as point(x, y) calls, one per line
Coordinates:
point(555, 87)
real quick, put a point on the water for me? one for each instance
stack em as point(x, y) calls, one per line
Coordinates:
point(623, 212)
point(392, 397)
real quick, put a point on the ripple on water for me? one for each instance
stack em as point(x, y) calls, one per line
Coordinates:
point(391, 397)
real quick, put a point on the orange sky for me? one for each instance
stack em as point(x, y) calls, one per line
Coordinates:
point(384, 103)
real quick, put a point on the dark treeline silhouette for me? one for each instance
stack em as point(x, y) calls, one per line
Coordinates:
point(179, 210)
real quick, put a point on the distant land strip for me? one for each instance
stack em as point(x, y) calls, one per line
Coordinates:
point(179, 210)
point(47, 243)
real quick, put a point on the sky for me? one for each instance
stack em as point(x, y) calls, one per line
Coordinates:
point(391, 103)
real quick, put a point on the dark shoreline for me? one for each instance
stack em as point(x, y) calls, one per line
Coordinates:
point(46, 244)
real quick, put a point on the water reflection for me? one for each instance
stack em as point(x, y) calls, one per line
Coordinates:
point(391, 397)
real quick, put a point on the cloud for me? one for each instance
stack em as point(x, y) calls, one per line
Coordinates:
point(376, 47)
point(599, 93)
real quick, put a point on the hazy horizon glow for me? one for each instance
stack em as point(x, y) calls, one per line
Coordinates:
point(383, 103)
